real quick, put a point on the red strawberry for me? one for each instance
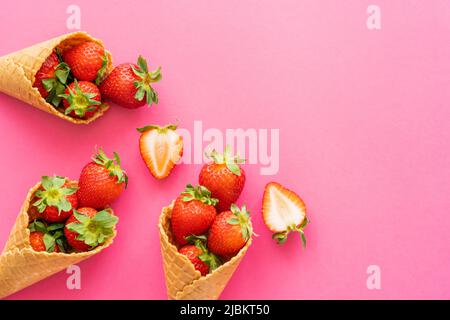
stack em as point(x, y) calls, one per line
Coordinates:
point(81, 99)
point(192, 213)
point(128, 85)
point(88, 61)
point(56, 198)
point(161, 148)
point(203, 260)
point(38, 244)
point(101, 181)
point(230, 231)
point(283, 211)
point(51, 79)
point(87, 228)
point(47, 238)
point(223, 177)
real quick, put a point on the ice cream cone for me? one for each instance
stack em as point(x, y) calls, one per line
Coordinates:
point(18, 70)
point(183, 282)
point(21, 266)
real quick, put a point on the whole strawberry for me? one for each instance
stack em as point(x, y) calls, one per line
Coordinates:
point(88, 61)
point(87, 228)
point(51, 79)
point(48, 238)
point(230, 231)
point(192, 213)
point(203, 260)
point(55, 199)
point(129, 85)
point(224, 177)
point(81, 99)
point(37, 242)
point(101, 181)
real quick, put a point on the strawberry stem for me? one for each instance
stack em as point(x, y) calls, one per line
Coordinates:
point(199, 193)
point(228, 158)
point(281, 237)
point(96, 230)
point(112, 165)
point(241, 218)
point(145, 78)
point(53, 193)
point(79, 102)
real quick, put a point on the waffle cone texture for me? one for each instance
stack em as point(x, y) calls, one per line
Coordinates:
point(18, 70)
point(21, 266)
point(183, 282)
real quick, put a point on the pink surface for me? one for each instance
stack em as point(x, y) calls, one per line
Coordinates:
point(364, 138)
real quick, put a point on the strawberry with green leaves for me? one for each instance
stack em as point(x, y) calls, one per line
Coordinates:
point(49, 238)
point(203, 260)
point(51, 78)
point(81, 99)
point(129, 85)
point(230, 231)
point(88, 228)
point(192, 213)
point(101, 181)
point(55, 199)
point(88, 61)
point(224, 177)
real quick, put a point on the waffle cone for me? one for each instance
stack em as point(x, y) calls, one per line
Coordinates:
point(21, 266)
point(18, 70)
point(183, 282)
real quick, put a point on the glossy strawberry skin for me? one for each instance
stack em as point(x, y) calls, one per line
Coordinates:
point(85, 60)
point(86, 87)
point(37, 242)
point(71, 236)
point(225, 239)
point(51, 214)
point(223, 184)
point(46, 71)
point(192, 253)
point(190, 218)
point(119, 87)
point(96, 188)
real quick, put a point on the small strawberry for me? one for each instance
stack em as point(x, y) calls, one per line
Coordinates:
point(230, 231)
point(56, 198)
point(283, 211)
point(88, 61)
point(101, 181)
point(82, 99)
point(51, 79)
point(161, 148)
point(87, 228)
point(223, 177)
point(192, 213)
point(38, 243)
point(47, 238)
point(203, 260)
point(129, 85)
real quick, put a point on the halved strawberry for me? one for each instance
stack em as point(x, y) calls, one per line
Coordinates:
point(161, 148)
point(283, 211)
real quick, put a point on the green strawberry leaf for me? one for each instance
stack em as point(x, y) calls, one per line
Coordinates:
point(143, 83)
point(241, 217)
point(228, 158)
point(55, 226)
point(37, 225)
point(96, 230)
point(199, 193)
point(113, 166)
point(49, 242)
point(101, 74)
point(53, 193)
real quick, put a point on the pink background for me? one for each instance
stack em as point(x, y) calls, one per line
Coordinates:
point(365, 140)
